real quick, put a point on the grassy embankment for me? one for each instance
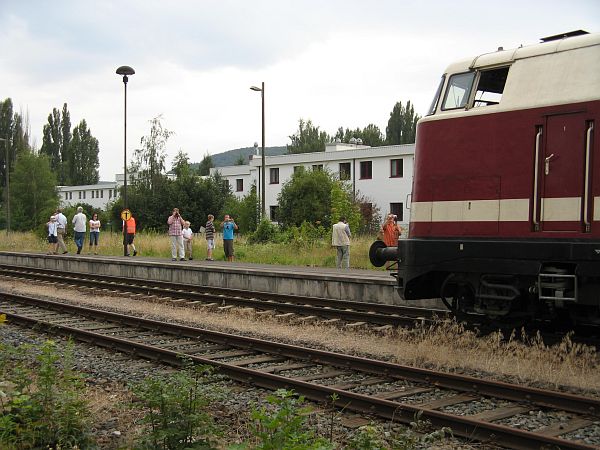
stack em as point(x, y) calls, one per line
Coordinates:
point(158, 245)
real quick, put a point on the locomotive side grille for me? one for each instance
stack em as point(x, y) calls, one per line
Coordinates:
point(557, 286)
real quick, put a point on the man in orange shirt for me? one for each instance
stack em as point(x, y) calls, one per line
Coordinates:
point(130, 236)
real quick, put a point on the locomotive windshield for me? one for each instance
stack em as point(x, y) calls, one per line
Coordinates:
point(436, 98)
point(458, 90)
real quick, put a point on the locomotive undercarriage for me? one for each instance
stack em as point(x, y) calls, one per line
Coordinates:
point(509, 282)
point(552, 296)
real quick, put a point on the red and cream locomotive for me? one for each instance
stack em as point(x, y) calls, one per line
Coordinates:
point(505, 211)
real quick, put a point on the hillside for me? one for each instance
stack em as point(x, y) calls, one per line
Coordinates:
point(230, 157)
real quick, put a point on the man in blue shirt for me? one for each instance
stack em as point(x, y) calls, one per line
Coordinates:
point(228, 226)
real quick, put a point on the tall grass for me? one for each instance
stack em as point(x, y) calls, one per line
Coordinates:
point(318, 253)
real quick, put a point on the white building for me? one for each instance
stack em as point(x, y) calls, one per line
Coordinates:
point(382, 174)
point(98, 195)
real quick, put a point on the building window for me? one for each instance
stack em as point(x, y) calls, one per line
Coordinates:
point(396, 168)
point(366, 170)
point(274, 175)
point(101, 193)
point(239, 184)
point(398, 210)
point(317, 167)
point(110, 193)
point(92, 194)
point(298, 168)
point(84, 195)
point(274, 213)
point(79, 195)
point(345, 171)
point(115, 194)
point(70, 196)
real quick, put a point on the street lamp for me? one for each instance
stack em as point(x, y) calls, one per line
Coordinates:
point(125, 71)
point(262, 169)
point(6, 174)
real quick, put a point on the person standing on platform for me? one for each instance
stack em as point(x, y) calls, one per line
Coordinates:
point(228, 226)
point(52, 236)
point(79, 225)
point(176, 224)
point(130, 236)
point(209, 229)
point(391, 232)
point(94, 233)
point(340, 239)
point(188, 236)
point(61, 222)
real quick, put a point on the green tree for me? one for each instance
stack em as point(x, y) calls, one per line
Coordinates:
point(205, 165)
point(150, 158)
point(306, 197)
point(244, 210)
point(181, 165)
point(33, 192)
point(52, 140)
point(342, 205)
point(84, 162)
point(402, 125)
point(370, 135)
point(65, 150)
point(308, 139)
point(11, 129)
point(240, 161)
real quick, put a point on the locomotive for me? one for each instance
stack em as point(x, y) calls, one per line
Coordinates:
point(505, 210)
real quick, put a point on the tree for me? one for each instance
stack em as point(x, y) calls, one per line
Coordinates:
point(33, 194)
point(244, 210)
point(150, 159)
point(205, 165)
point(342, 205)
point(83, 152)
point(370, 135)
point(52, 140)
point(306, 197)
point(181, 165)
point(240, 161)
point(402, 125)
point(65, 150)
point(308, 139)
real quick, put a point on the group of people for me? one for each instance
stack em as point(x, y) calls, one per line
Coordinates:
point(57, 229)
point(340, 238)
point(182, 237)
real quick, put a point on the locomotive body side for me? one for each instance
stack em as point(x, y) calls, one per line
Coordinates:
point(505, 212)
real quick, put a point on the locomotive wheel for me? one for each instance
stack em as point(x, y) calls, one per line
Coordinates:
point(457, 293)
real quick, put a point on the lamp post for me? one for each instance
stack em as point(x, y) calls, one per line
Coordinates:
point(7, 175)
point(125, 71)
point(262, 169)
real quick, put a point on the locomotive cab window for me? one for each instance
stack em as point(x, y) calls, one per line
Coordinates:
point(458, 90)
point(490, 87)
point(436, 98)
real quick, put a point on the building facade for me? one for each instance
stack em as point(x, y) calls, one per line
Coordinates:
point(382, 175)
point(98, 195)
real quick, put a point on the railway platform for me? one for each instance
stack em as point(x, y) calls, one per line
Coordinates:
point(357, 285)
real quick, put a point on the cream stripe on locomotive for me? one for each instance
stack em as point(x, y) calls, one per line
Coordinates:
point(505, 210)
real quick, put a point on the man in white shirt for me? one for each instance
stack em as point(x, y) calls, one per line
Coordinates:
point(61, 222)
point(79, 225)
point(340, 239)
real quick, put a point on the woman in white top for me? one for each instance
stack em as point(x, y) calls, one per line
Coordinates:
point(94, 233)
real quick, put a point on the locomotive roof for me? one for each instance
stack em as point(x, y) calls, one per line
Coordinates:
point(502, 57)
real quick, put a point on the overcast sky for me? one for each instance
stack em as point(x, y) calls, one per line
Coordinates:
point(338, 63)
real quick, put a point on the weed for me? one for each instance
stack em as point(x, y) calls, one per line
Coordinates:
point(281, 425)
point(177, 416)
point(43, 405)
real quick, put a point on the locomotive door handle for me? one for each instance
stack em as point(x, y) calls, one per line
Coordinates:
point(547, 164)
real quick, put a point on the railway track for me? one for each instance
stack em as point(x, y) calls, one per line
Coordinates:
point(390, 391)
point(351, 312)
